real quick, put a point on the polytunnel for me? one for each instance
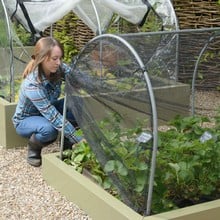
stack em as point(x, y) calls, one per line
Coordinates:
point(124, 85)
point(122, 89)
point(13, 57)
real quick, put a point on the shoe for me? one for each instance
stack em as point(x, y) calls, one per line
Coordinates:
point(34, 152)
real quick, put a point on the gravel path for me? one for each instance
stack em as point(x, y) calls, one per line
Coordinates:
point(207, 102)
point(24, 195)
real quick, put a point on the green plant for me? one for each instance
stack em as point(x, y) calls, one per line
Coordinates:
point(83, 160)
point(5, 87)
point(23, 35)
point(62, 34)
point(188, 161)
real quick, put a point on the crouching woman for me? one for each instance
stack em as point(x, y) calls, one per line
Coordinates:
point(38, 115)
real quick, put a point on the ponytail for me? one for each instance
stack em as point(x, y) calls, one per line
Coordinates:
point(29, 68)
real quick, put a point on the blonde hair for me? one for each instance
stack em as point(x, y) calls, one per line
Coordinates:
point(42, 51)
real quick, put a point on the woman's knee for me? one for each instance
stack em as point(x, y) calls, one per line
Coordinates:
point(47, 134)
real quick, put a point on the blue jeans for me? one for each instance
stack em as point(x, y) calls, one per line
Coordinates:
point(41, 127)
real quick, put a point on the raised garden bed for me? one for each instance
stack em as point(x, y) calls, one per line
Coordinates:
point(184, 149)
point(8, 136)
point(101, 205)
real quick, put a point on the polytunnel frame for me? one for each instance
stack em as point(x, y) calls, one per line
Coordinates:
point(153, 109)
point(195, 72)
point(11, 95)
point(152, 100)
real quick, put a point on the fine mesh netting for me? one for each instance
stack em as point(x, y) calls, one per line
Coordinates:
point(109, 93)
point(106, 89)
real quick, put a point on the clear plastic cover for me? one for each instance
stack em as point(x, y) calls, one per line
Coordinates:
point(97, 14)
